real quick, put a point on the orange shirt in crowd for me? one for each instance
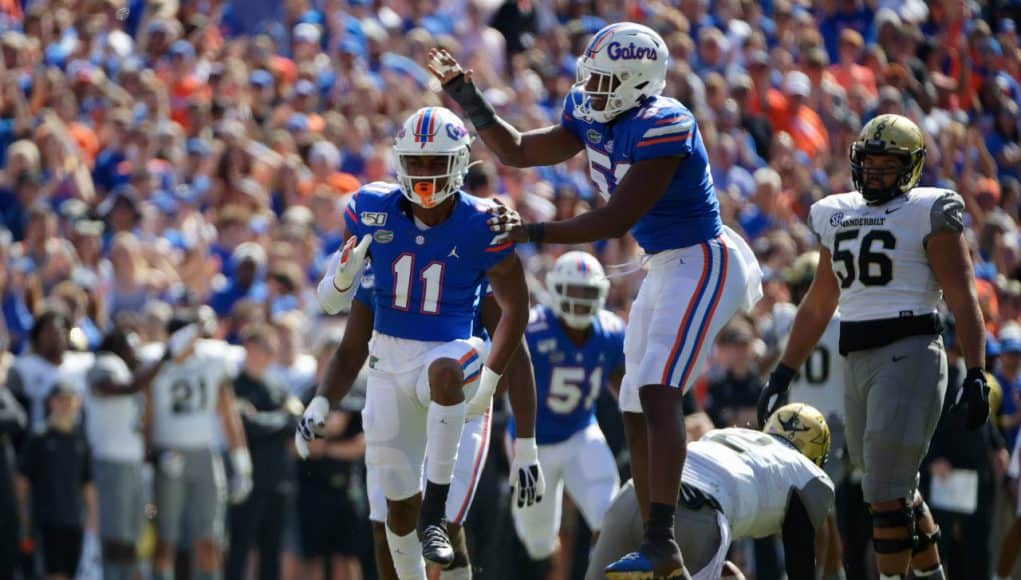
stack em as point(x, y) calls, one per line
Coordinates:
point(853, 75)
point(341, 183)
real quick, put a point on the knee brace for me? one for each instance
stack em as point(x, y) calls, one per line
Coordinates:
point(902, 517)
point(922, 539)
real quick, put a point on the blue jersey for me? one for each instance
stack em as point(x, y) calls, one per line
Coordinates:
point(568, 377)
point(365, 296)
point(688, 213)
point(427, 283)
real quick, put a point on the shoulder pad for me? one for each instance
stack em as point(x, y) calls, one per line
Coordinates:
point(947, 213)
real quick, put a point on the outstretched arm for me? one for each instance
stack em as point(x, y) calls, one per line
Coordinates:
point(547, 146)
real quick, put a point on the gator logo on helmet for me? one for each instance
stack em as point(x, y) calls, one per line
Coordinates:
point(455, 132)
point(617, 51)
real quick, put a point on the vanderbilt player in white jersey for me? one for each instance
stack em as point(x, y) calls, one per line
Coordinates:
point(736, 484)
point(190, 395)
point(113, 415)
point(819, 383)
point(887, 251)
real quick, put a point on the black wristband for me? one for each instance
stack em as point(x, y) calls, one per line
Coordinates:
point(535, 231)
point(474, 104)
point(975, 374)
point(785, 373)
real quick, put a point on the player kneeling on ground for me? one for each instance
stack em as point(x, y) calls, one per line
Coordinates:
point(738, 483)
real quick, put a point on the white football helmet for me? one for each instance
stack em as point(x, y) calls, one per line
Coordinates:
point(577, 279)
point(432, 131)
point(629, 63)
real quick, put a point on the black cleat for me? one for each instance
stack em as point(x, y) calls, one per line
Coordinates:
point(436, 548)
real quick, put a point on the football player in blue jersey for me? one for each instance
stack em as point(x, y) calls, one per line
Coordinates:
point(431, 248)
point(344, 367)
point(646, 156)
point(577, 349)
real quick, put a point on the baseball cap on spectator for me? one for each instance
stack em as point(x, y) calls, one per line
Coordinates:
point(350, 45)
point(987, 189)
point(165, 202)
point(797, 83)
point(125, 195)
point(757, 59)
point(182, 48)
point(307, 32)
point(74, 209)
point(326, 152)
point(304, 88)
point(197, 146)
point(89, 228)
point(297, 123)
point(1010, 339)
point(249, 251)
point(261, 78)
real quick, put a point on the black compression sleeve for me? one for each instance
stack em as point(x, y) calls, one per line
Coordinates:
point(474, 104)
point(798, 541)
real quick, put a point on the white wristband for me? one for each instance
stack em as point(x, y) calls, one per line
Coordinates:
point(241, 461)
point(525, 450)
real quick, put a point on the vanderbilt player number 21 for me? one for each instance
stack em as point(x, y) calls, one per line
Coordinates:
point(888, 252)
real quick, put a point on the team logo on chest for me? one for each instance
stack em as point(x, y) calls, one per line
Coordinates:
point(839, 220)
point(383, 236)
point(593, 136)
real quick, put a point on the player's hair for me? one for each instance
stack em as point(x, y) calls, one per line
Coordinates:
point(50, 315)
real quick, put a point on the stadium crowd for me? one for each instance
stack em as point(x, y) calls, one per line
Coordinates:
point(160, 155)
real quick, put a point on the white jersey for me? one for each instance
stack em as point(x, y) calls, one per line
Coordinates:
point(36, 376)
point(113, 422)
point(185, 396)
point(879, 251)
point(820, 382)
point(752, 474)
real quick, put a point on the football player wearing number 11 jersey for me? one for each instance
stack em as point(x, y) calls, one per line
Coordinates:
point(431, 249)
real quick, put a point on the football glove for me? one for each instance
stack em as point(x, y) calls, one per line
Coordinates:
point(526, 479)
point(774, 394)
point(352, 262)
point(241, 478)
point(311, 424)
point(973, 399)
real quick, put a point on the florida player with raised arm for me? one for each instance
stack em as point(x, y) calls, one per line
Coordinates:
point(344, 366)
point(646, 155)
point(889, 251)
point(577, 350)
point(431, 249)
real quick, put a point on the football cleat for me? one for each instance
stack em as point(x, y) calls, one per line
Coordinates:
point(436, 547)
point(636, 566)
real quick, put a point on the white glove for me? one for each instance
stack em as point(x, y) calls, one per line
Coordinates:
point(338, 287)
point(479, 403)
point(182, 339)
point(352, 261)
point(311, 424)
point(241, 479)
point(526, 479)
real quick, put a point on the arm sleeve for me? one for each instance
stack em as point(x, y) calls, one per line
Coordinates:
point(669, 134)
point(86, 463)
point(798, 540)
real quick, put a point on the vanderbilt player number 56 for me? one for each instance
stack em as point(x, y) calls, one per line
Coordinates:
point(889, 250)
